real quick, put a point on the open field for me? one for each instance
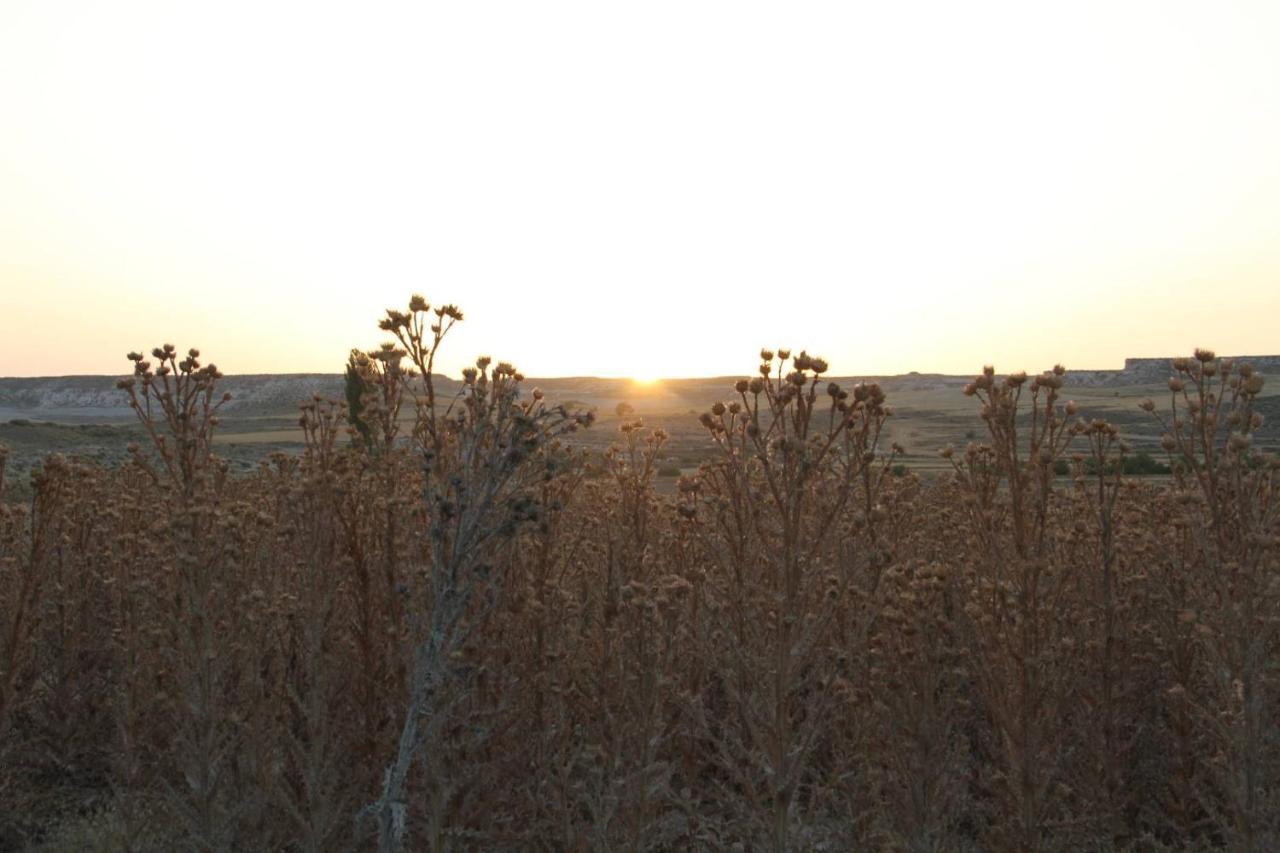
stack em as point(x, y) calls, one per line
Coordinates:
point(931, 412)
point(767, 618)
point(991, 566)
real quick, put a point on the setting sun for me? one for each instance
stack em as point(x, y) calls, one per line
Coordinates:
point(564, 425)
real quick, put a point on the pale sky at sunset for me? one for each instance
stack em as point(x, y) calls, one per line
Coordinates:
point(640, 188)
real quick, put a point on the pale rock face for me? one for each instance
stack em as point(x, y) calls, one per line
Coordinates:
point(97, 396)
point(1156, 371)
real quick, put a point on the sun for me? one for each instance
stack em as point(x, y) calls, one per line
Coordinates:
point(646, 380)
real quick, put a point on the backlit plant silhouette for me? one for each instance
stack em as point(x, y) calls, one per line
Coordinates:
point(445, 624)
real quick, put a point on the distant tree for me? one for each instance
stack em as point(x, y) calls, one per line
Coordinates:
point(1140, 464)
point(1144, 463)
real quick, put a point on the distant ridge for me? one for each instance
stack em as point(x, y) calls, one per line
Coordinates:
point(1154, 371)
point(88, 398)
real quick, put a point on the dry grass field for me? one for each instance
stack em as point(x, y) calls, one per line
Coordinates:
point(926, 419)
point(787, 614)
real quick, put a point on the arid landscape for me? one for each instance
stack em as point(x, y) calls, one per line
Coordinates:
point(733, 613)
point(688, 426)
point(89, 417)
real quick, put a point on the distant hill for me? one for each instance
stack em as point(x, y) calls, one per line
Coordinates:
point(80, 399)
point(77, 398)
point(1154, 371)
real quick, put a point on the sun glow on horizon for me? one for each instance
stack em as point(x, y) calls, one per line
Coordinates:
point(873, 182)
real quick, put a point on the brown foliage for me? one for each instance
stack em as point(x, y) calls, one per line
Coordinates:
point(453, 639)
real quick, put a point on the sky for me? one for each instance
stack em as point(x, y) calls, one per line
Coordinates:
point(640, 189)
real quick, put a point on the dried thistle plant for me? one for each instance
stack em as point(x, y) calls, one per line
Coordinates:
point(437, 618)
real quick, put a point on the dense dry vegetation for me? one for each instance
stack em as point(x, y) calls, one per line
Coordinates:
point(449, 636)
